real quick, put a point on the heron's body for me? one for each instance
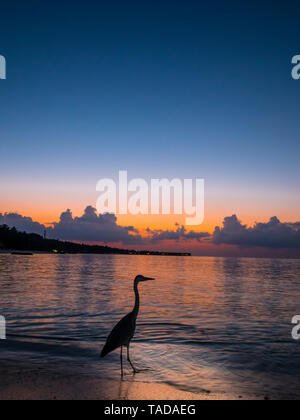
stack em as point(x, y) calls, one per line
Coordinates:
point(124, 331)
point(121, 335)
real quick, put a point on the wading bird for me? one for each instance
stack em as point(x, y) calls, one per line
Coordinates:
point(123, 332)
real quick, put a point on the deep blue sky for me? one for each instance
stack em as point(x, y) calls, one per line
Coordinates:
point(167, 88)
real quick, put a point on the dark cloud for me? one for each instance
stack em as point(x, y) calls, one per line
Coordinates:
point(176, 235)
point(91, 227)
point(21, 223)
point(273, 234)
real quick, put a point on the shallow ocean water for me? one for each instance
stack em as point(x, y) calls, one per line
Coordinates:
point(205, 325)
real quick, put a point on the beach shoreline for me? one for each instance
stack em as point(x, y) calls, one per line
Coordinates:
point(23, 380)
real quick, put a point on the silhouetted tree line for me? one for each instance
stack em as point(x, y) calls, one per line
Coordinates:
point(11, 239)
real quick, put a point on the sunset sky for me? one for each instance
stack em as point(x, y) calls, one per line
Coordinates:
point(166, 89)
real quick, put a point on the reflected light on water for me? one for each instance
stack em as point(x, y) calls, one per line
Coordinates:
point(206, 324)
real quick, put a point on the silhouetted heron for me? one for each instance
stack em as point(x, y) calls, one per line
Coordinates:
point(123, 332)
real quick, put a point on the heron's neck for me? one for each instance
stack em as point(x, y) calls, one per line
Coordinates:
point(137, 299)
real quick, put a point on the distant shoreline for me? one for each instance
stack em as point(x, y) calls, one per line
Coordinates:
point(137, 253)
point(11, 240)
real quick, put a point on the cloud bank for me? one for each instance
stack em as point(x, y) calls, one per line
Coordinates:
point(176, 235)
point(21, 223)
point(97, 228)
point(92, 227)
point(273, 234)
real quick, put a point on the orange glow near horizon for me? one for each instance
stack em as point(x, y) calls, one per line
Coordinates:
point(47, 212)
point(45, 203)
point(50, 213)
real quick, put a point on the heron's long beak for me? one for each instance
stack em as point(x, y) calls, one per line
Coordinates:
point(148, 278)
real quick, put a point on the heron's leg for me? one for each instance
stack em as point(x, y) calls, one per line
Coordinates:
point(121, 357)
point(128, 358)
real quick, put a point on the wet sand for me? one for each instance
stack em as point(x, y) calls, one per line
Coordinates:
point(26, 381)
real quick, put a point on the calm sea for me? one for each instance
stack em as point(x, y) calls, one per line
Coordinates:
point(206, 324)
